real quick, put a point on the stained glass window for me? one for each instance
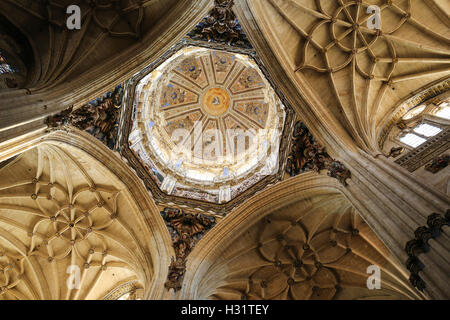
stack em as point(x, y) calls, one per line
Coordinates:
point(412, 140)
point(4, 66)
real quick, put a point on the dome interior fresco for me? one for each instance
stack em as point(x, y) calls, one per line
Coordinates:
point(207, 124)
point(356, 71)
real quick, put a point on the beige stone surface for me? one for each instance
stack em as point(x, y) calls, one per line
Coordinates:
point(66, 199)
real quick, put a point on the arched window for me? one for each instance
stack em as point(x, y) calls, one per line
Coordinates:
point(421, 136)
point(443, 110)
point(421, 123)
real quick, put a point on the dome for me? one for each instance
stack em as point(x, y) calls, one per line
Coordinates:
point(207, 124)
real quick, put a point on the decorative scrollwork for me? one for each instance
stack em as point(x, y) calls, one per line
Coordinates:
point(437, 164)
point(308, 155)
point(221, 26)
point(185, 230)
point(395, 152)
point(99, 117)
point(340, 172)
point(419, 245)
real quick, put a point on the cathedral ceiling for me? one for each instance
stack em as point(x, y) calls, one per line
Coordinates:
point(201, 124)
point(60, 53)
point(208, 123)
point(315, 248)
point(62, 214)
point(58, 207)
point(352, 72)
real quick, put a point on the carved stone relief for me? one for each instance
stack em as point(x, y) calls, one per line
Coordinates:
point(99, 117)
point(419, 245)
point(308, 155)
point(426, 152)
point(186, 230)
point(437, 164)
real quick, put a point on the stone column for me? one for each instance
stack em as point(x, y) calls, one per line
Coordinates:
point(395, 204)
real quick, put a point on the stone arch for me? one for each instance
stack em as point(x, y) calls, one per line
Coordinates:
point(222, 263)
point(65, 205)
point(350, 76)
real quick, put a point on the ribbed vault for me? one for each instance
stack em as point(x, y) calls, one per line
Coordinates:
point(64, 67)
point(60, 53)
point(315, 246)
point(67, 202)
point(351, 72)
point(60, 210)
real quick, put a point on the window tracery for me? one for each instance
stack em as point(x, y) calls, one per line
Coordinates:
point(422, 135)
